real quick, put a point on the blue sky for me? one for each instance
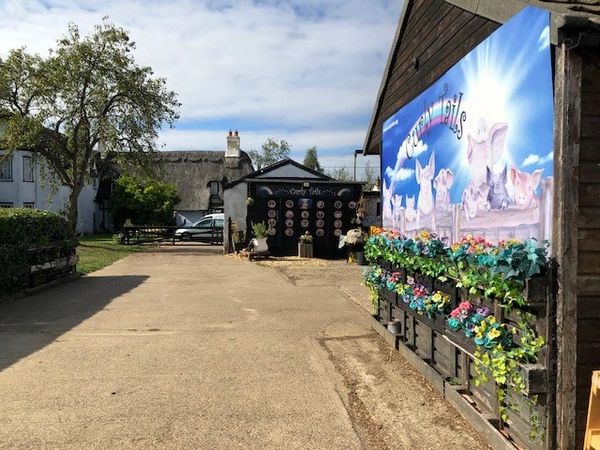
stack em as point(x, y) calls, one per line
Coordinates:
point(305, 71)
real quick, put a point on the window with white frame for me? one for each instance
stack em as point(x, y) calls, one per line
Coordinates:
point(28, 205)
point(214, 187)
point(6, 169)
point(6, 205)
point(28, 168)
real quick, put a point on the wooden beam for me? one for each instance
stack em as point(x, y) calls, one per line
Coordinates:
point(568, 70)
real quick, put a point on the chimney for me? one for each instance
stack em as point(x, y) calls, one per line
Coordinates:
point(233, 145)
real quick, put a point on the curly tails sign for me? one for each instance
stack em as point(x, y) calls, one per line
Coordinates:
point(473, 153)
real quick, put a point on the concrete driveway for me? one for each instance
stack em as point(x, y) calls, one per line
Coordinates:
point(184, 348)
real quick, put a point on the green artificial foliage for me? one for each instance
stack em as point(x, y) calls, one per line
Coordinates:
point(144, 202)
point(88, 91)
point(486, 271)
point(30, 237)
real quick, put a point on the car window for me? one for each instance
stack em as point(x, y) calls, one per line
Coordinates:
point(207, 223)
point(218, 223)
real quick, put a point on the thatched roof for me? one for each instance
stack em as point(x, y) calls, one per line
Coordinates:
point(192, 171)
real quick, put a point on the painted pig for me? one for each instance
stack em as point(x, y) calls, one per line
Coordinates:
point(474, 199)
point(498, 195)
point(485, 149)
point(442, 184)
point(525, 186)
point(386, 204)
point(424, 176)
point(411, 213)
point(397, 207)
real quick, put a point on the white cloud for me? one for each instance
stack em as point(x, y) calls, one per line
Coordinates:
point(537, 160)
point(544, 39)
point(294, 64)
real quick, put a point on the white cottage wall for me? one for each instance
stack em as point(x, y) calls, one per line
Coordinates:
point(19, 193)
point(236, 208)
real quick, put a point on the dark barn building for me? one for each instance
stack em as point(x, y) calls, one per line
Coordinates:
point(433, 36)
point(292, 199)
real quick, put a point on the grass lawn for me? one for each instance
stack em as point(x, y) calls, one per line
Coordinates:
point(99, 250)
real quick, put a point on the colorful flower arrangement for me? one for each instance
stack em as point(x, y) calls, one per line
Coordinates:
point(466, 317)
point(412, 293)
point(485, 270)
point(473, 263)
point(477, 323)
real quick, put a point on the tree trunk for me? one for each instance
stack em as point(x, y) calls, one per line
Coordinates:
point(72, 209)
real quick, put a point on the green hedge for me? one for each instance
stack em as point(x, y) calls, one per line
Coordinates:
point(22, 231)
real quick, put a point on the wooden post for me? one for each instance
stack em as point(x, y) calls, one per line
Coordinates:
point(456, 211)
point(566, 160)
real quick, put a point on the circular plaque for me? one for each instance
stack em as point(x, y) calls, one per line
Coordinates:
point(320, 214)
point(320, 223)
point(272, 222)
point(304, 214)
point(289, 223)
point(271, 203)
point(289, 203)
point(337, 204)
point(337, 214)
point(320, 204)
point(337, 223)
point(272, 213)
point(319, 232)
point(304, 223)
point(337, 232)
point(289, 231)
point(272, 231)
point(289, 214)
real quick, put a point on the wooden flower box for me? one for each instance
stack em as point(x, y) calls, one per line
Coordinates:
point(425, 280)
point(459, 340)
point(389, 296)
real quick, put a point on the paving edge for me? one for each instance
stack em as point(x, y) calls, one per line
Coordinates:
point(40, 287)
point(451, 393)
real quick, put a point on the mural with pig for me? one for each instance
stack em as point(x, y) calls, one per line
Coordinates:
point(473, 153)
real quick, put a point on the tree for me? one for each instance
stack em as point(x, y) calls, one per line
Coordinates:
point(340, 174)
point(311, 160)
point(89, 90)
point(145, 202)
point(369, 175)
point(272, 151)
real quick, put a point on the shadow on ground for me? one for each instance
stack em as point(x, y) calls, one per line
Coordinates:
point(29, 324)
point(191, 248)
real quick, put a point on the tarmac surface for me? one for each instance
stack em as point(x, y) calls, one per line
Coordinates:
point(181, 347)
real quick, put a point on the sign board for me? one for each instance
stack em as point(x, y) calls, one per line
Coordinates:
point(473, 153)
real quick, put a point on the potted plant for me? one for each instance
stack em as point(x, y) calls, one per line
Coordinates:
point(355, 240)
point(305, 246)
point(259, 243)
point(237, 237)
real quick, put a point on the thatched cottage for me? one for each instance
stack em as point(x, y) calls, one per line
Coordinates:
point(200, 176)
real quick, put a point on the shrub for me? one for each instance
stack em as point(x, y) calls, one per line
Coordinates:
point(145, 202)
point(21, 232)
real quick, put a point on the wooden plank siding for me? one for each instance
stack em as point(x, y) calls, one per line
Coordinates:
point(437, 35)
point(588, 257)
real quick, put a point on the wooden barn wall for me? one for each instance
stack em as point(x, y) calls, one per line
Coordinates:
point(439, 35)
point(588, 248)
